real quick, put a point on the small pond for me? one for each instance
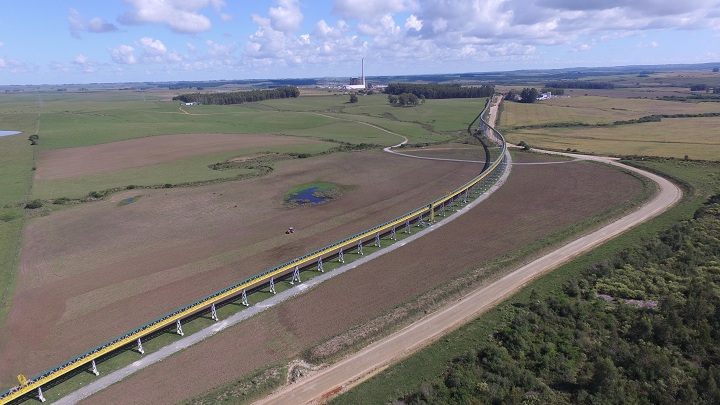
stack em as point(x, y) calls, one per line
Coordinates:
point(308, 196)
point(5, 133)
point(313, 194)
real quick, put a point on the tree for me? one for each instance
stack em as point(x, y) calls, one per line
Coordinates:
point(33, 139)
point(528, 95)
point(353, 98)
point(716, 69)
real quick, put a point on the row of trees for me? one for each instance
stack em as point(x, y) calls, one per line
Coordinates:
point(642, 327)
point(239, 97)
point(406, 99)
point(705, 88)
point(579, 84)
point(439, 91)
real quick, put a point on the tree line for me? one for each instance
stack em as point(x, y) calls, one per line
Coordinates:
point(238, 97)
point(579, 84)
point(640, 327)
point(440, 91)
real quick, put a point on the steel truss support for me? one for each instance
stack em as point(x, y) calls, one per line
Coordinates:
point(244, 298)
point(341, 257)
point(94, 369)
point(320, 266)
point(392, 233)
point(377, 239)
point(295, 276)
point(41, 397)
point(213, 313)
point(442, 209)
point(421, 221)
point(272, 285)
point(178, 328)
point(407, 226)
point(140, 348)
point(359, 248)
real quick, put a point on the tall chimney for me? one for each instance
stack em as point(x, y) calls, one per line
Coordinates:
point(362, 63)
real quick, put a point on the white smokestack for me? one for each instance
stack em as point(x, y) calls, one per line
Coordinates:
point(362, 64)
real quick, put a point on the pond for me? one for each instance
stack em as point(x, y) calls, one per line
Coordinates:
point(5, 133)
point(310, 195)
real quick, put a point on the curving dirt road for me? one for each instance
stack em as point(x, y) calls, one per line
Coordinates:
point(351, 371)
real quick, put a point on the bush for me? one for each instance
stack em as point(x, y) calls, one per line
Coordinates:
point(34, 204)
point(95, 194)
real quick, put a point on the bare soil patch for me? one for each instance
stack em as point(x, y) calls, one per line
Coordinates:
point(535, 202)
point(95, 271)
point(109, 157)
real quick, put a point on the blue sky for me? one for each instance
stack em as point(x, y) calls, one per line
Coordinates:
point(100, 41)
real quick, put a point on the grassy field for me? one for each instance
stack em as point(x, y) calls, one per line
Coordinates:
point(16, 161)
point(594, 110)
point(700, 181)
point(672, 137)
point(571, 124)
point(188, 171)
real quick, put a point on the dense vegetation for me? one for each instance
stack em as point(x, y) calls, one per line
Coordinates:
point(579, 84)
point(239, 97)
point(642, 327)
point(439, 91)
point(527, 95)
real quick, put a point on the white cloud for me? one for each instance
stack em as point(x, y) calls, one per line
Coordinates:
point(123, 54)
point(368, 9)
point(582, 48)
point(412, 23)
point(83, 64)
point(287, 16)
point(220, 51)
point(181, 16)
point(17, 66)
point(78, 24)
point(651, 44)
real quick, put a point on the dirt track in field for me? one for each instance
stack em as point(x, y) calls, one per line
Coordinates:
point(94, 271)
point(110, 157)
point(535, 202)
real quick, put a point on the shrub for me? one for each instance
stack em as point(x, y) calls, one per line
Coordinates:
point(34, 204)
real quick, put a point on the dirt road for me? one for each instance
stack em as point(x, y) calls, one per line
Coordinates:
point(358, 367)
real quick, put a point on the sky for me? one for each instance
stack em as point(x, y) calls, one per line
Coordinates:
point(112, 41)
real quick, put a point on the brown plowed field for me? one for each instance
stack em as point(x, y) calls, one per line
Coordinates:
point(95, 271)
point(110, 157)
point(535, 201)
